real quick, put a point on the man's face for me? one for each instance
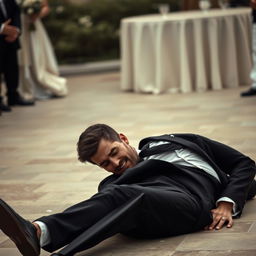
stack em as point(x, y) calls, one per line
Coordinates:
point(115, 156)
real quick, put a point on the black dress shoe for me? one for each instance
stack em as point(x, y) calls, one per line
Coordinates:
point(4, 107)
point(250, 92)
point(19, 230)
point(18, 100)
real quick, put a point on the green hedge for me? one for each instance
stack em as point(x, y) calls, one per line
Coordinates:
point(90, 31)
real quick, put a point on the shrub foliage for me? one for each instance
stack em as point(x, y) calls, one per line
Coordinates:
point(90, 31)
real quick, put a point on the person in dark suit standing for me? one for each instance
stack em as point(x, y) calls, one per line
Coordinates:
point(252, 90)
point(176, 184)
point(9, 44)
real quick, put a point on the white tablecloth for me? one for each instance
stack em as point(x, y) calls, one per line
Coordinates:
point(186, 51)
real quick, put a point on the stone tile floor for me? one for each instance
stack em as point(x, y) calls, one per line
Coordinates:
point(40, 173)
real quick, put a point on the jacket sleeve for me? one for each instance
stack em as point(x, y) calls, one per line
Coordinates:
point(106, 181)
point(15, 15)
point(239, 168)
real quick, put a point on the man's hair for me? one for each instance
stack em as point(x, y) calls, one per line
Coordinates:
point(89, 140)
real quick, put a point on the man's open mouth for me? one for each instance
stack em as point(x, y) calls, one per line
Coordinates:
point(122, 167)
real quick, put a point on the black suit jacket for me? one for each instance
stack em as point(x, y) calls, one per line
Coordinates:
point(236, 171)
point(13, 13)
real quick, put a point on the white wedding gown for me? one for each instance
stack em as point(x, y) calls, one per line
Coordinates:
point(39, 76)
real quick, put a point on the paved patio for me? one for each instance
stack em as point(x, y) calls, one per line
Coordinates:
point(40, 173)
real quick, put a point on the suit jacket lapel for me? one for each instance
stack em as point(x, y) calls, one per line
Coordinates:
point(194, 147)
point(3, 10)
point(178, 140)
point(190, 145)
point(1, 17)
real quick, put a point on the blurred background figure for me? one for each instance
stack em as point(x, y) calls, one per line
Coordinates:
point(252, 90)
point(9, 44)
point(38, 66)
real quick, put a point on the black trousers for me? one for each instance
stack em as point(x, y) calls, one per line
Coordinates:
point(9, 68)
point(134, 209)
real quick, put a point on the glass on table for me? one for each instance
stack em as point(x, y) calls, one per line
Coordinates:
point(163, 9)
point(204, 5)
point(223, 4)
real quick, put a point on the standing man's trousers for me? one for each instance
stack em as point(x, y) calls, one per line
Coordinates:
point(137, 210)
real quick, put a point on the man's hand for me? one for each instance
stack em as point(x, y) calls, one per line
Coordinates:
point(221, 215)
point(10, 31)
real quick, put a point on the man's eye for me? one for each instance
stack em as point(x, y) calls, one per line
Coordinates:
point(114, 152)
point(105, 164)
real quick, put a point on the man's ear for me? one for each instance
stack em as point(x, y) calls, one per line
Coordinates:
point(123, 138)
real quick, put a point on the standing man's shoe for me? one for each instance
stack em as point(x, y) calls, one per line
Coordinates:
point(19, 230)
point(250, 92)
point(18, 100)
point(4, 107)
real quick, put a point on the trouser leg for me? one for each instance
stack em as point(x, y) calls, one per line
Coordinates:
point(156, 213)
point(118, 220)
point(2, 59)
point(66, 226)
point(253, 71)
point(1, 97)
point(152, 213)
point(11, 74)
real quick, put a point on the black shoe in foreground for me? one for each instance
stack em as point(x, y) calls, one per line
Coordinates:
point(250, 92)
point(19, 230)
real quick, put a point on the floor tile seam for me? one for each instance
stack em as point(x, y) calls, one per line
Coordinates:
point(251, 227)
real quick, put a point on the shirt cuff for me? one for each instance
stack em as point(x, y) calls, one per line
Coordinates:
point(227, 199)
point(18, 30)
point(45, 235)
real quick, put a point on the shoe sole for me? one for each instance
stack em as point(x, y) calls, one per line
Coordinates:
point(13, 230)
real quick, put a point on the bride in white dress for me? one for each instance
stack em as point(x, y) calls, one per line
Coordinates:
point(39, 76)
